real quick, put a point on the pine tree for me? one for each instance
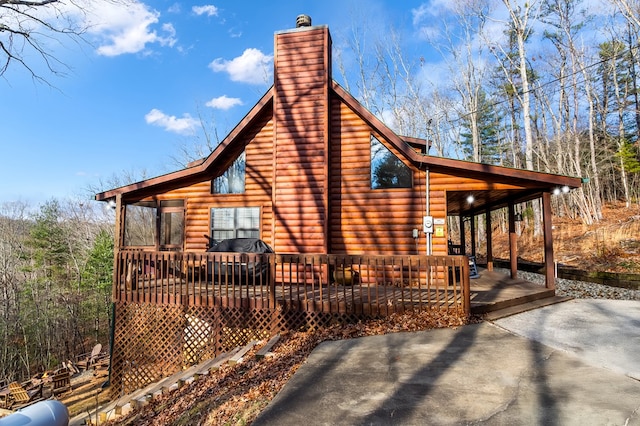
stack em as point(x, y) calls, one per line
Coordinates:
point(489, 128)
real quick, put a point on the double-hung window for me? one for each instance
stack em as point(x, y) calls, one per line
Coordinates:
point(235, 222)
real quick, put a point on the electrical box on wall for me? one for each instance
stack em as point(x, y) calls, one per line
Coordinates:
point(427, 224)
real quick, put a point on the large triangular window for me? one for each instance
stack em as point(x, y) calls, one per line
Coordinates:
point(232, 180)
point(387, 171)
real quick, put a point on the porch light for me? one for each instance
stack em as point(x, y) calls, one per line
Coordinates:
point(561, 190)
point(470, 199)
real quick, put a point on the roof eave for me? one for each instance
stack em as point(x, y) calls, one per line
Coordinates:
point(198, 168)
point(422, 161)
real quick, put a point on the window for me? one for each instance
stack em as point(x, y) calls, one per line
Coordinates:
point(140, 225)
point(235, 222)
point(149, 224)
point(171, 215)
point(387, 171)
point(232, 180)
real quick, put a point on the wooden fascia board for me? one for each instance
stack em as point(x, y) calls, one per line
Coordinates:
point(388, 134)
point(526, 178)
point(243, 124)
point(448, 165)
point(203, 167)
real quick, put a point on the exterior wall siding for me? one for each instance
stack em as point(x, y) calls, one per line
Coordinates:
point(364, 220)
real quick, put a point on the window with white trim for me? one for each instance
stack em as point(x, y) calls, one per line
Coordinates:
point(234, 222)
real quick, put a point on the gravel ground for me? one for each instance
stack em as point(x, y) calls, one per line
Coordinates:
point(582, 289)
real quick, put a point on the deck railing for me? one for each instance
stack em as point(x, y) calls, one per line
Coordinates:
point(367, 284)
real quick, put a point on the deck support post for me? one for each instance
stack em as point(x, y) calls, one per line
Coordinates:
point(118, 242)
point(549, 267)
point(513, 242)
point(487, 222)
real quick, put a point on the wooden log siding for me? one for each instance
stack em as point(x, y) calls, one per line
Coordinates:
point(377, 285)
point(258, 186)
point(364, 220)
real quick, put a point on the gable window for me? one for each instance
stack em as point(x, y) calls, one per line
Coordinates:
point(235, 222)
point(387, 171)
point(232, 180)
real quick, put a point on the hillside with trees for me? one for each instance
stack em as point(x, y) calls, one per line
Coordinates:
point(56, 266)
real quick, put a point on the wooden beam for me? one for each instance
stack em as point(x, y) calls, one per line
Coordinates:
point(513, 242)
point(118, 242)
point(487, 222)
point(549, 266)
point(463, 240)
point(472, 230)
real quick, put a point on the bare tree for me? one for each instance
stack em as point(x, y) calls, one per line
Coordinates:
point(28, 28)
point(630, 9)
point(565, 19)
point(521, 25)
point(200, 146)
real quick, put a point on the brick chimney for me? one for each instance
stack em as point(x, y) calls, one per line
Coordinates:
point(302, 77)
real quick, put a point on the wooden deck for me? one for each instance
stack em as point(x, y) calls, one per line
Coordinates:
point(385, 285)
point(493, 291)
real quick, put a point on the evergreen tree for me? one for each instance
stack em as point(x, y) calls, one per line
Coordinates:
point(491, 145)
point(98, 276)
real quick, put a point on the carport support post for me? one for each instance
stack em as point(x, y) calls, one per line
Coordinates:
point(487, 222)
point(549, 270)
point(513, 242)
point(463, 242)
point(472, 230)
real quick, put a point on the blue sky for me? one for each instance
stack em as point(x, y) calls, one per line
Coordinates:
point(135, 94)
point(149, 74)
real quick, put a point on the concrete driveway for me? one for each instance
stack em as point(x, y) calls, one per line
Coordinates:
point(574, 363)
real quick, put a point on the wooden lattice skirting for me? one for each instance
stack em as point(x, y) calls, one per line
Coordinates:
point(154, 341)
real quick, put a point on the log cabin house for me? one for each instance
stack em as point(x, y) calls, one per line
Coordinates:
point(356, 216)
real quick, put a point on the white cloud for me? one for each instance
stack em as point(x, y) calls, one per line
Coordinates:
point(171, 123)
point(252, 67)
point(223, 102)
point(430, 10)
point(209, 10)
point(128, 28)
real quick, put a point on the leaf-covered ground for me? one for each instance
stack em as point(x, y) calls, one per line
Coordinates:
point(235, 394)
